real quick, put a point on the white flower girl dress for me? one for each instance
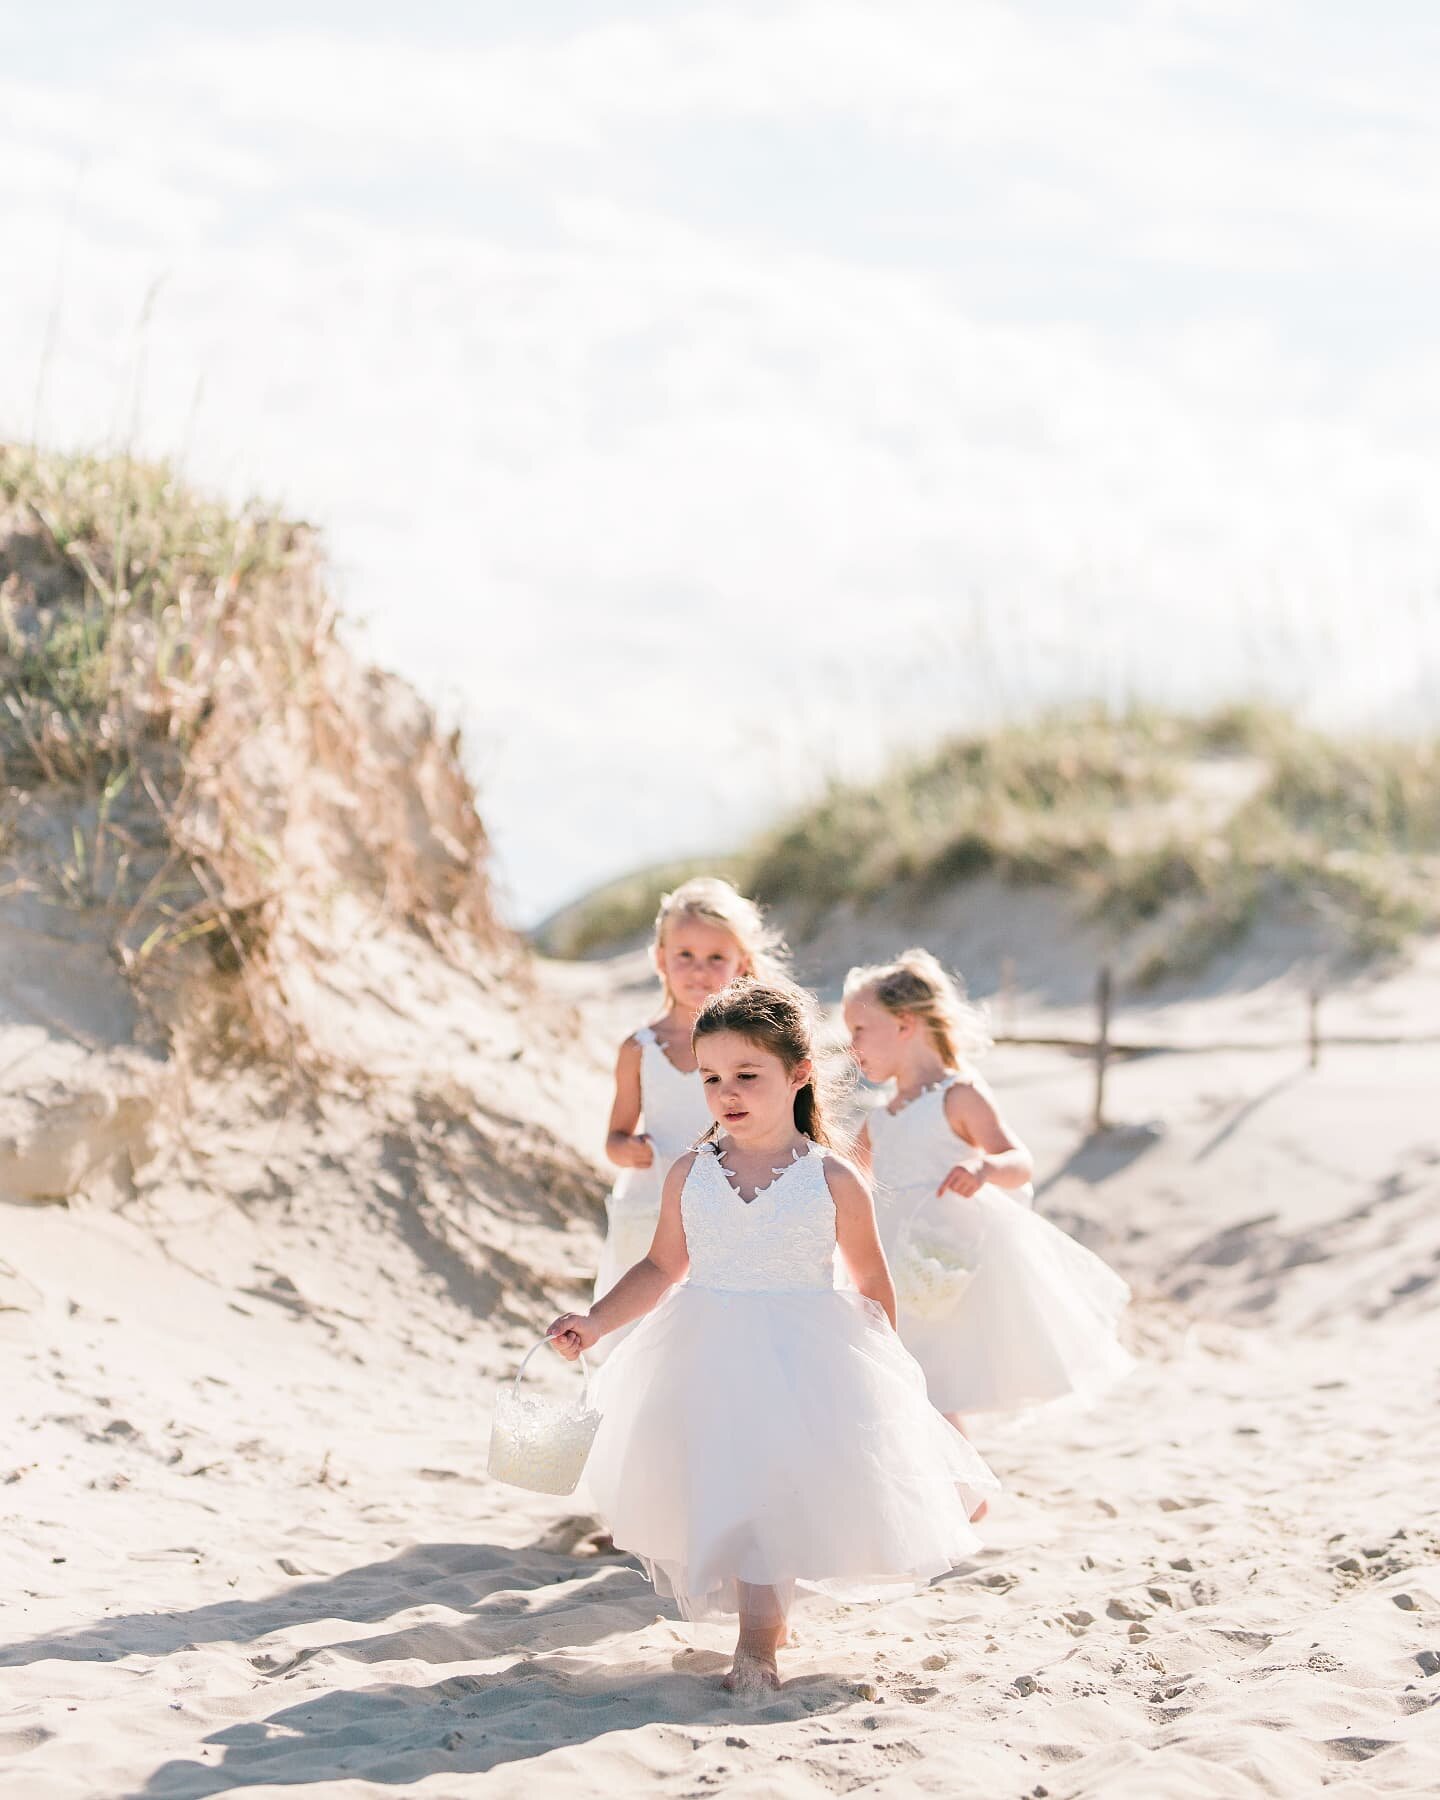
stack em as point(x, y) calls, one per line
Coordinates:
point(673, 1114)
point(998, 1306)
point(763, 1428)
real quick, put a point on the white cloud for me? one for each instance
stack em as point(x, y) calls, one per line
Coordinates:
point(598, 451)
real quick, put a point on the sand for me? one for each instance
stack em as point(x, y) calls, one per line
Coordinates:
point(247, 1366)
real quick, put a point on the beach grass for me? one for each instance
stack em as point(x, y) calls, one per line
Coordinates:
point(1194, 824)
point(187, 749)
point(623, 909)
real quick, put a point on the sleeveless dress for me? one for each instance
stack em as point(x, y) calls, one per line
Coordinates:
point(998, 1306)
point(673, 1113)
point(762, 1427)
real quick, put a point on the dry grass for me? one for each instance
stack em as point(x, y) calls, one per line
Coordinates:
point(186, 748)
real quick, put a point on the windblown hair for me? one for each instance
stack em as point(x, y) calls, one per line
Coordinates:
point(718, 902)
point(779, 1017)
point(915, 983)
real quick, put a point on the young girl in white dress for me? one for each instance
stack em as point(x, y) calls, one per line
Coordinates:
point(1000, 1308)
point(763, 1427)
point(706, 934)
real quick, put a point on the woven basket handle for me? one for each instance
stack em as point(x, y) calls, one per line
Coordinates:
point(584, 1369)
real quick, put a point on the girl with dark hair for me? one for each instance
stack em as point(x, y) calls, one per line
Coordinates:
point(763, 1428)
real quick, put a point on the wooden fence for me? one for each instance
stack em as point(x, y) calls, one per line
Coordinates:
point(1104, 1049)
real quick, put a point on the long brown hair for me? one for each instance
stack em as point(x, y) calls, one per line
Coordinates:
point(779, 1017)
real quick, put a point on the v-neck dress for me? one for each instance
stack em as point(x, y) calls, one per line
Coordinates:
point(764, 1428)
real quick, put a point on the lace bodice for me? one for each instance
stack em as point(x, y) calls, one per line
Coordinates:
point(782, 1241)
point(914, 1147)
point(673, 1112)
point(911, 1152)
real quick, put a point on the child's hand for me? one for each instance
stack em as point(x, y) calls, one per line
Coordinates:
point(634, 1151)
point(965, 1179)
point(571, 1333)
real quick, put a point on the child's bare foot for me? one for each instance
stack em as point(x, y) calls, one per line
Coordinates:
point(979, 1512)
point(752, 1672)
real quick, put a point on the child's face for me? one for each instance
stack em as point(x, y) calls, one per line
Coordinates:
point(879, 1039)
point(696, 959)
point(747, 1088)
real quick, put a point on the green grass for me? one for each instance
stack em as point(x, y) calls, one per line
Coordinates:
point(1027, 804)
point(620, 910)
point(1345, 831)
point(125, 592)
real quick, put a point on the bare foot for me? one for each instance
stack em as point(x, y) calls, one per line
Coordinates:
point(980, 1512)
point(751, 1673)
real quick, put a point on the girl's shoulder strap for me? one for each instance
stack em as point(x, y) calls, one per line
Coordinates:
point(959, 1083)
point(704, 1158)
point(962, 1080)
point(645, 1036)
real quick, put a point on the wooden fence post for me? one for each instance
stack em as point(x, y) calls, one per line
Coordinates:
point(1007, 996)
point(1102, 1044)
point(1314, 1027)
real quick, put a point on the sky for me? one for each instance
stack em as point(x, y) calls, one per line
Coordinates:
point(702, 400)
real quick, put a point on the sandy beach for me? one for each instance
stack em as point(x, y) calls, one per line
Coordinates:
point(961, 475)
point(251, 1543)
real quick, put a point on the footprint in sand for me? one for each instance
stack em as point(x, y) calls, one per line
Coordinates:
point(1357, 1749)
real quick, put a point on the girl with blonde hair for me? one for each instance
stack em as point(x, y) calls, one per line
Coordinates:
point(706, 934)
point(1000, 1308)
point(764, 1428)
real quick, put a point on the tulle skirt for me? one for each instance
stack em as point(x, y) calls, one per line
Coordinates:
point(750, 1442)
point(1036, 1320)
point(632, 1212)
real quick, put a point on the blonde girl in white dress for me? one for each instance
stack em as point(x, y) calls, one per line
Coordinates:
point(762, 1428)
point(1001, 1309)
point(706, 934)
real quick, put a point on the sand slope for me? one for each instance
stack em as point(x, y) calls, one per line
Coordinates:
point(249, 1542)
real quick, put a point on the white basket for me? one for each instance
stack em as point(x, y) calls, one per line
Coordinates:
point(538, 1442)
point(933, 1268)
point(927, 1287)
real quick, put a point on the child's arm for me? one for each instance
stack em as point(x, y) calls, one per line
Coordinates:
point(623, 1147)
point(856, 1236)
point(643, 1285)
point(971, 1113)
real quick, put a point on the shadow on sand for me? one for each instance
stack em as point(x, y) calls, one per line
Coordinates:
point(507, 1591)
point(397, 1734)
point(535, 1605)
